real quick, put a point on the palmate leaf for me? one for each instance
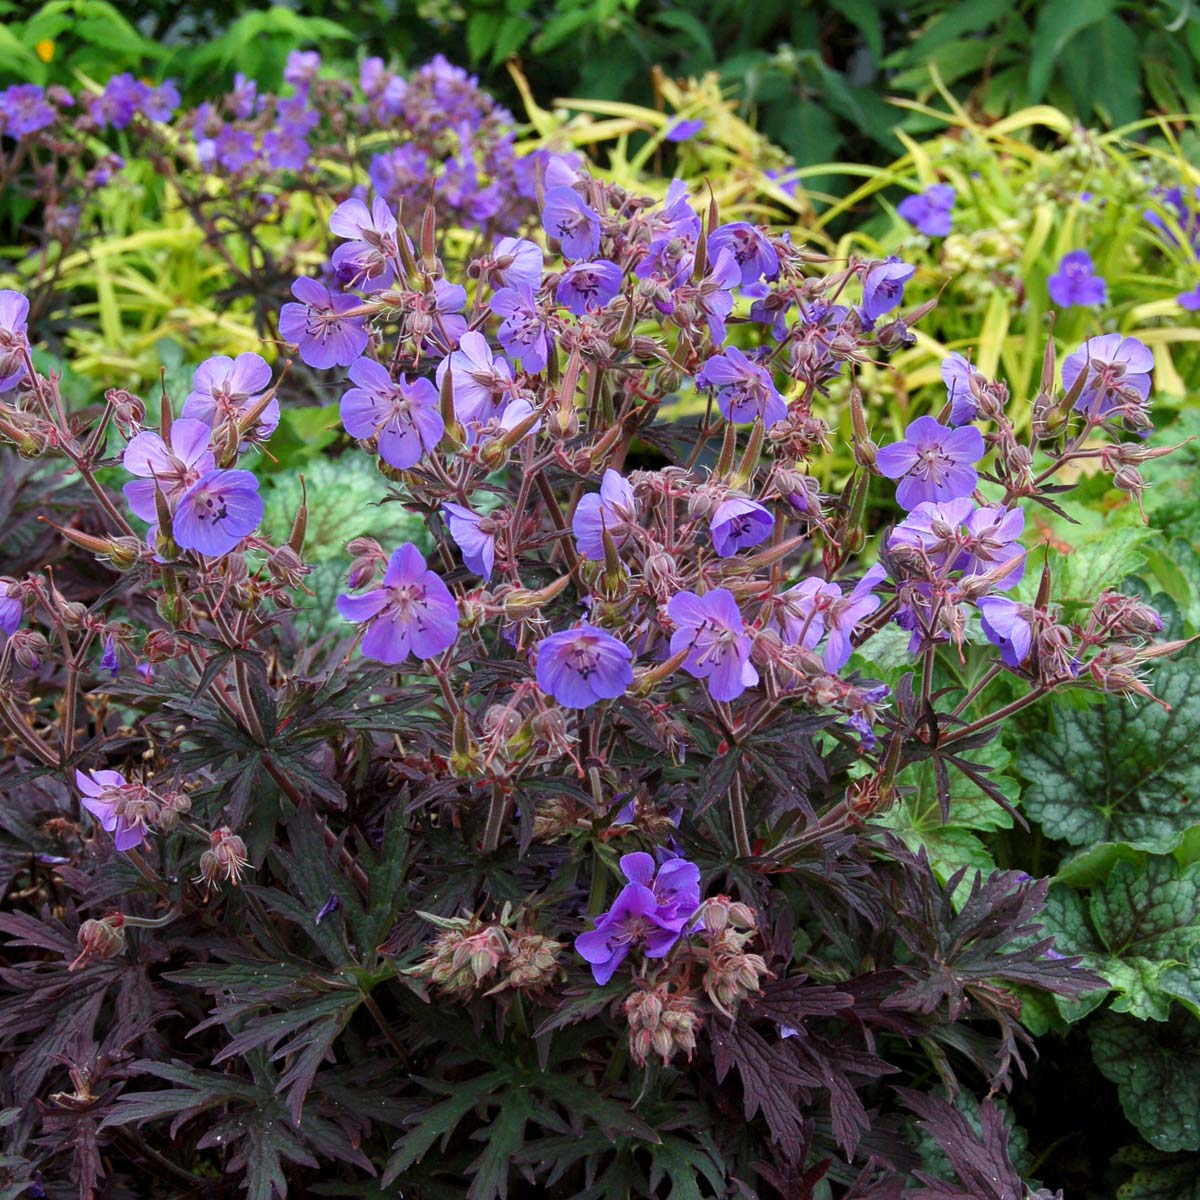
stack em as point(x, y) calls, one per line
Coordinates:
point(1117, 773)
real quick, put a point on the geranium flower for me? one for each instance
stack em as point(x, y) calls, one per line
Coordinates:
point(747, 392)
point(1007, 628)
point(933, 462)
point(217, 511)
point(588, 285)
point(1075, 283)
point(523, 333)
point(583, 665)
point(171, 469)
point(929, 211)
point(412, 613)
point(403, 416)
point(518, 262)
point(11, 610)
point(957, 374)
point(751, 250)
point(576, 225)
point(371, 259)
point(480, 381)
point(224, 388)
point(710, 628)
point(714, 295)
point(883, 286)
point(14, 337)
point(23, 110)
point(739, 522)
point(478, 548)
point(1118, 369)
point(613, 508)
point(123, 809)
point(323, 335)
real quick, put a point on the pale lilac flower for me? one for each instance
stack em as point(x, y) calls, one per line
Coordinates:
point(11, 611)
point(518, 263)
point(581, 666)
point(845, 615)
point(933, 462)
point(14, 339)
point(403, 416)
point(301, 68)
point(799, 612)
point(588, 285)
point(681, 130)
point(929, 211)
point(1006, 627)
point(224, 388)
point(613, 508)
point(481, 383)
point(957, 374)
point(515, 414)
point(576, 226)
point(444, 305)
point(413, 612)
point(243, 99)
point(740, 522)
point(23, 110)
point(1118, 370)
point(478, 548)
point(1075, 283)
point(883, 286)
point(170, 469)
point(217, 511)
point(751, 250)
point(325, 337)
point(1189, 300)
point(715, 294)
point(523, 333)
point(710, 628)
point(747, 392)
point(123, 809)
point(370, 260)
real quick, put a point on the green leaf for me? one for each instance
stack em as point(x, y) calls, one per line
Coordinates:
point(1058, 22)
point(1158, 1176)
point(1100, 563)
point(865, 16)
point(1115, 773)
point(1157, 1072)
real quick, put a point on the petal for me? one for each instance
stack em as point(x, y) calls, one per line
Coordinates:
point(406, 565)
point(387, 639)
point(638, 867)
point(364, 607)
point(895, 460)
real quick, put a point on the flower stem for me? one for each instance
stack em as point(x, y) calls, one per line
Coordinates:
point(737, 813)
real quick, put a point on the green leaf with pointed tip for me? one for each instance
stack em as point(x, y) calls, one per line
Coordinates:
point(1157, 1072)
point(1115, 773)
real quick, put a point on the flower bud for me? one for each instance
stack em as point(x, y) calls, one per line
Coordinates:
point(99, 939)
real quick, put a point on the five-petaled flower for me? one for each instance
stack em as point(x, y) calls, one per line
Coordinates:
point(478, 545)
point(740, 522)
point(576, 225)
point(1075, 283)
point(581, 666)
point(710, 628)
point(883, 286)
point(124, 809)
point(171, 469)
point(224, 389)
point(217, 511)
point(933, 462)
point(402, 416)
point(1117, 373)
point(325, 336)
point(756, 258)
point(746, 390)
point(613, 508)
point(930, 211)
point(588, 285)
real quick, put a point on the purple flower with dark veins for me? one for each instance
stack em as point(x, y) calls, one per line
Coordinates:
point(883, 286)
point(1118, 371)
point(588, 285)
point(933, 462)
point(478, 547)
point(123, 809)
point(317, 324)
point(740, 522)
point(747, 392)
point(171, 469)
point(1006, 627)
point(523, 332)
point(581, 666)
point(799, 612)
point(714, 294)
point(751, 250)
point(1075, 284)
point(403, 416)
point(517, 262)
point(710, 628)
point(576, 225)
point(14, 339)
point(370, 260)
point(613, 508)
point(957, 374)
point(929, 211)
point(217, 511)
point(412, 612)
point(844, 615)
point(481, 383)
point(224, 388)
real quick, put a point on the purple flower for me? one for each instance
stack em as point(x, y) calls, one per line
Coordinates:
point(444, 306)
point(120, 102)
point(1189, 300)
point(481, 383)
point(224, 388)
point(478, 548)
point(23, 110)
point(613, 508)
point(1118, 370)
point(14, 340)
point(243, 99)
point(747, 392)
point(680, 130)
point(930, 210)
point(324, 336)
point(961, 537)
point(588, 285)
point(234, 149)
point(580, 666)
point(109, 661)
point(123, 809)
point(518, 262)
point(573, 223)
point(1076, 283)
point(786, 181)
point(403, 416)
point(710, 628)
point(1006, 627)
point(217, 511)
point(801, 611)
point(957, 374)
point(523, 333)
point(170, 469)
point(933, 462)
point(11, 611)
point(413, 612)
point(883, 286)
point(844, 615)
point(301, 68)
point(739, 522)
point(753, 253)
point(715, 294)
point(370, 260)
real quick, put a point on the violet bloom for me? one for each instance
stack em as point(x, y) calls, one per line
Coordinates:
point(1076, 283)
point(613, 508)
point(523, 333)
point(576, 226)
point(325, 337)
point(123, 809)
point(883, 286)
point(217, 511)
point(740, 522)
point(715, 294)
point(109, 660)
point(1118, 369)
point(11, 612)
point(1189, 300)
point(588, 285)
point(412, 612)
point(751, 250)
point(991, 538)
point(801, 611)
point(403, 416)
point(370, 260)
point(301, 68)
point(171, 469)
point(676, 885)
point(747, 392)
point(23, 110)
point(680, 130)
point(632, 920)
point(224, 388)
point(957, 374)
point(1006, 627)
point(581, 666)
point(14, 339)
point(710, 628)
point(845, 614)
point(478, 548)
point(481, 383)
point(933, 462)
point(517, 262)
point(444, 306)
point(929, 211)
